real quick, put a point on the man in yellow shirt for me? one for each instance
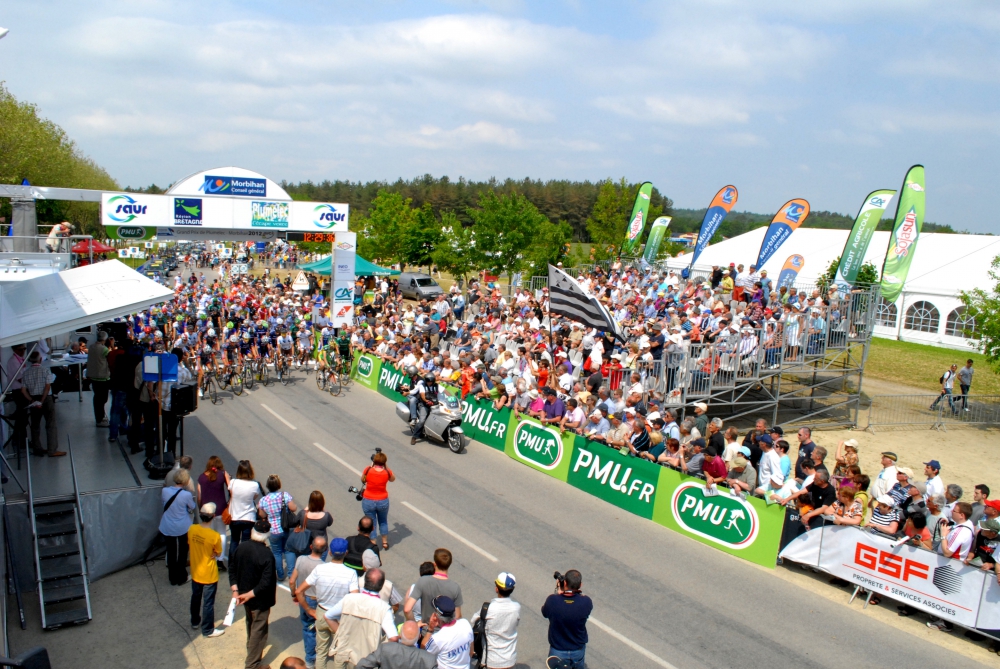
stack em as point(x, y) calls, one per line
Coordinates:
point(205, 548)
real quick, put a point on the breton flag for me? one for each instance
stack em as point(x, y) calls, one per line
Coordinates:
point(567, 298)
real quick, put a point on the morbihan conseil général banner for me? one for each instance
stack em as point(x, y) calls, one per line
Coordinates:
point(746, 528)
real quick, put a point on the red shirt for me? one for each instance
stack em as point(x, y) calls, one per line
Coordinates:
point(716, 468)
point(375, 482)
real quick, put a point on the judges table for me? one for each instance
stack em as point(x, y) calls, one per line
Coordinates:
point(65, 360)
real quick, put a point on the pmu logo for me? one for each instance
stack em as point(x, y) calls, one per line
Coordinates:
point(907, 234)
point(343, 293)
point(722, 519)
point(794, 212)
point(541, 446)
point(365, 367)
point(608, 475)
point(131, 232)
point(126, 209)
point(325, 216)
point(727, 196)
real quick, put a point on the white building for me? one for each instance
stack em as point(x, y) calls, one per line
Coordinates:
point(928, 311)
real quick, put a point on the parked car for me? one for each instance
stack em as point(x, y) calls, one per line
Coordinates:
point(417, 285)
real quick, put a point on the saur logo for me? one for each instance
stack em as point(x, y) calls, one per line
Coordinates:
point(126, 209)
point(326, 216)
point(343, 294)
point(365, 366)
point(215, 185)
point(187, 211)
point(722, 519)
point(540, 446)
point(794, 212)
point(727, 197)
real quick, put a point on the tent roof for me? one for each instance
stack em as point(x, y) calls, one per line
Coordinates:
point(362, 267)
point(944, 263)
point(53, 304)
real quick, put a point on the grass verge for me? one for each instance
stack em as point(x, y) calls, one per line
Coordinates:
point(920, 366)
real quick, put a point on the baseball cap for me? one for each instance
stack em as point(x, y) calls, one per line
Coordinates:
point(262, 525)
point(208, 508)
point(766, 439)
point(505, 580)
point(934, 464)
point(906, 471)
point(745, 451)
point(778, 430)
point(993, 504)
point(989, 524)
point(697, 442)
point(739, 461)
point(444, 606)
point(889, 454)
point(884, 499)
point(338, 546)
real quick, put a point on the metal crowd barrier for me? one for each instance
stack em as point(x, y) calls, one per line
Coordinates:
point(916, 411)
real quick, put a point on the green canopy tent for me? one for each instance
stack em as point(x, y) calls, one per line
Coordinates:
point(361, 268)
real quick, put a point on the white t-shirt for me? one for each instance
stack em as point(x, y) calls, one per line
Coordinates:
point(452, 645)
point(960, 539)
point(332, 580)
point(243, 499)
point(502, 619)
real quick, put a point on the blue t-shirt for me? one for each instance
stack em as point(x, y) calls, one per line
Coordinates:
point(177, 519)
point(567, 620)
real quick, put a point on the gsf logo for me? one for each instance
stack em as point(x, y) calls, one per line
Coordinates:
point(883, 562)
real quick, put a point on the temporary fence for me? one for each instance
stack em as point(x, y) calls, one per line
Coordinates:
point(747, 528)
point(894, 568)
point(936, 412)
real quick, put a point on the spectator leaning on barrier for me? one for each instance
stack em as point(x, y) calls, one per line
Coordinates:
point(980, 495)
point(952, 493)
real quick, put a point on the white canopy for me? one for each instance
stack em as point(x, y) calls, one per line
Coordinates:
point(57, 303)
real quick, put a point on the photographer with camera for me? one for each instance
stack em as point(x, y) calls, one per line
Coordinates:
point(375, 497)
point(567, 611)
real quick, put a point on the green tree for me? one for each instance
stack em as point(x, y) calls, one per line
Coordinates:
point(421, 237)
point(453, 253)
point(984, 307)
point(609, 218)
point(548, 246)
point(36, 149)
point(504, 227)
point(382, 233)
point(867, 274)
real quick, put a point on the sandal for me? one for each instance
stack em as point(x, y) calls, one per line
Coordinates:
point(385, 546)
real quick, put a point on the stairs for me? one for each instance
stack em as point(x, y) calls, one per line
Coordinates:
point(61, 565)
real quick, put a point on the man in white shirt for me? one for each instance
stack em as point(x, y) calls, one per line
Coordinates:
point(331, 581)
point(885, 479)
point(952, 493)
point(452, 640)
point(359, 616)
point(502, 617)
point(770, 462)
point(935, 486)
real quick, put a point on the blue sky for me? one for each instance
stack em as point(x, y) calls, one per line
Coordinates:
point(783, 99)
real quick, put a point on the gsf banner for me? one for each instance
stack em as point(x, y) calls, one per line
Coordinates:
point(941, 586)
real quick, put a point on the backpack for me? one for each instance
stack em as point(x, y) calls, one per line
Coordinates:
point(479, 637)
point(944, 376)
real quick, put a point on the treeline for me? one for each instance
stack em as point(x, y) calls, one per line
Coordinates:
point(36, 149)
point(738, 222)
point(570, 202)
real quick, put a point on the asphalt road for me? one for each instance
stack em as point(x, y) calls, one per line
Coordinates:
point(660, 599)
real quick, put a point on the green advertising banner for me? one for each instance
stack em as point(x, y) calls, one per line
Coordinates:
point(627, 482)
point(905, 233)
point(365, 370)
point(746, 528)
point(541, 447)
point(389, 379)
point(853, 255)
point(484, 423)
point(656, 235)
point(132, 232)
point(638, 219)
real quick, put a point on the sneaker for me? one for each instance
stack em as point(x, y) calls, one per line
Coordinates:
point(104, 423)
point(195, 626)
point(110, 438)
point(966, 409)
point(216, 632)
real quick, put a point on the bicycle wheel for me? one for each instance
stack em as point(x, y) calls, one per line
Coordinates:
point(222, 378)
point(265, 376)
point(283, 373)
point(236, 382)
point(212, 390)
point(345, 372)
point(321, 379)
point(248, 376)
point(335, 385)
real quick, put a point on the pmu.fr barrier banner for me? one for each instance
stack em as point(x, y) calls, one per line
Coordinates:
point(487, 425)
point(791, 215)
point(365, 370)
point(926, 581)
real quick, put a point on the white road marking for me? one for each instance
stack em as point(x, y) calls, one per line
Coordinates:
point(275, 414)
point(631, 644)
point(356, 471)
point(284, 587)
point(452, 533)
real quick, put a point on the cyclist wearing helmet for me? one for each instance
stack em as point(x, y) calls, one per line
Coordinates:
point(285, 344)
point(427, 393)
point(231, 348)
point(343, 341)
point(305, 346)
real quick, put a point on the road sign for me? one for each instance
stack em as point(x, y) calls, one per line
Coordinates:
point(301, 282)
point(149, 245)
point(243, 268)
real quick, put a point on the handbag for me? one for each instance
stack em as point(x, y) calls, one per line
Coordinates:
point(227, 517)
point(288, 518)
point(298, 540)
point(479, 637)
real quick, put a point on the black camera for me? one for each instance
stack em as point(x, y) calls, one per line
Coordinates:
point(377, 451)
point(560, 581)
point(358, 494)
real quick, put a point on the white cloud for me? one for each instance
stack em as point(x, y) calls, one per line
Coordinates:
point(682, 110)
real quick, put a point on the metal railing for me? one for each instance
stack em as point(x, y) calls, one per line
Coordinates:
point(935, 412)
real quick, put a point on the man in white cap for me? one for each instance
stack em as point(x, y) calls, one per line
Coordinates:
point(701, 417)
point(205, 546)
point(597, 425)
point(502, 615)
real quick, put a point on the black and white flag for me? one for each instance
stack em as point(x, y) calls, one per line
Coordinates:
point(568, 299)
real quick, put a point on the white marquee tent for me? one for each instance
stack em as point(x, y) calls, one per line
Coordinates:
point(928, 310)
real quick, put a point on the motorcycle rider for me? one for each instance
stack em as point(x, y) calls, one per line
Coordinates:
point(415, 384)
point(427, 398)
